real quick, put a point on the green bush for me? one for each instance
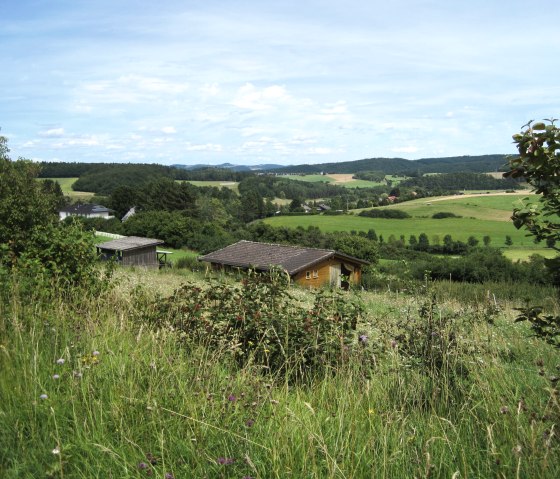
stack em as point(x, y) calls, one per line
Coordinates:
point(258, 322)
point(385, 213)
point(444, 214)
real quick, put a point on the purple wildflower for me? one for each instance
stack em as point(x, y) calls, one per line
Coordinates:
point(168, 475)
point(142, 466)
point(95, 353)
point(250, 423)
point(232, 398)
point(363, 339)
point(225, 461)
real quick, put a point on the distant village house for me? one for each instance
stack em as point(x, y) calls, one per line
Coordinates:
point(85, 211)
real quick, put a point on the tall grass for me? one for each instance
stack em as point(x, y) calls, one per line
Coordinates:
point(131, 401)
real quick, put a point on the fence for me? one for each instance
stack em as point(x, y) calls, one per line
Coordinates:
point(109, 235)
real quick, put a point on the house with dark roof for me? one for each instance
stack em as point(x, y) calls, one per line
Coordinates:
point(133, 251)
point(85, 210)
point(311, 267)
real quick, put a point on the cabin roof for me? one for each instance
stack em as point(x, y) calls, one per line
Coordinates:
point(263, 256)
point(129, 243)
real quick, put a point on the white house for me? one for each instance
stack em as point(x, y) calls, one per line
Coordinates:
point(86, 210)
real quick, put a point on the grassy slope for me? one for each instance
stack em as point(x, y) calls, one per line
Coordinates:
point(66, 186)
point(145, 395)
point(481, 216)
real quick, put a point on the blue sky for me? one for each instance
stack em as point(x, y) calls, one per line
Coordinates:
point(288, 82)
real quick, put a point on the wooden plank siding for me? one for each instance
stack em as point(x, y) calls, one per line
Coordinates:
point(322, 276)
point(141, 257)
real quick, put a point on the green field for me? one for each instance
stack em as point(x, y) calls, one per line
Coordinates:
point(309, 178)
point(218, 184)
point(347, 183)
point(481, 216)
point(66, 186)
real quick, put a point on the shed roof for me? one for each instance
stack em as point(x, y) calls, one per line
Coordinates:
point(263, 256)
point(129, 243)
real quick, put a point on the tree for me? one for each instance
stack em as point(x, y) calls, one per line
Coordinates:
point(486, 240)
point(508, 241)
point(25, 203)
point(538, 163)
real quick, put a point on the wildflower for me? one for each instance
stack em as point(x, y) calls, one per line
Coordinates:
point(77, 374)
point(225, 461)
point(250, 423)
point(394, 344)
point(56, 376)
point(232, 398)
point(142, 466)
point(363, 339)
point(56, 450)
point(517, 450)
point(60, 361)
point(95, 353)
point(43, 397)
point(168, 475)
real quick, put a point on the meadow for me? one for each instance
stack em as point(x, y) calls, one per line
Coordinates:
point(91, 388)
point(66, 187)
point(344, 180)
point(481, 215)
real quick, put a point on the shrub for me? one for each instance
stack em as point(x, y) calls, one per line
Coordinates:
point(257, 321)
point(444, 214)
point(385, 213)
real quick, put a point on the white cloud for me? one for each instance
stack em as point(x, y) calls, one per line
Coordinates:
point(405, 149)
point(52, 133)
point(210, 147)
point(249, 97)
point(169, 130)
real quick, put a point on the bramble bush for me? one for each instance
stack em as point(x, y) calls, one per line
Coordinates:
point(258, 322)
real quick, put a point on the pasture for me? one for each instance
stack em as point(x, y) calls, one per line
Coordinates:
point(345, 180)
point(66, 187)
point(482, 215)
point(216, 184)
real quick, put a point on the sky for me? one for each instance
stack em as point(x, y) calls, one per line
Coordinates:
point(287, 82)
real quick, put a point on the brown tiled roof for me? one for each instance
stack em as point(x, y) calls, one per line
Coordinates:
point(129, 243)
point(263, 256)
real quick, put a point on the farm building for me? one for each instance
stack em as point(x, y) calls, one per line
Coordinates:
point(306, 266)
point(85, 210)
point(133, 251)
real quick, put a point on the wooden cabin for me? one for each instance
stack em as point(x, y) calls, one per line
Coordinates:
point(308, 267)
point(133, 251)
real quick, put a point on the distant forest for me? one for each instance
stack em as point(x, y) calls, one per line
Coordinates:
point(403, 167)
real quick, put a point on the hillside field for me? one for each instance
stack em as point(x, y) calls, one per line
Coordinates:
point(101, 386)
point(66, 186)
point(481, 215)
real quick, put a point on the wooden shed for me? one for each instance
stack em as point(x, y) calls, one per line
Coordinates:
point(133, 251)
point(311, 267)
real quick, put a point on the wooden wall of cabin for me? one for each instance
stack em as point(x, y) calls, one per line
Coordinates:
point(323, 275)
point(141, 257)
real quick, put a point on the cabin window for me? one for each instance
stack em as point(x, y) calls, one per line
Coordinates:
point(308, 275)
point(315, 273)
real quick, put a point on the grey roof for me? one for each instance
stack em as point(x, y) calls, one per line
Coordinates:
point(129, 243)
point(263, 256)
point(84, 209)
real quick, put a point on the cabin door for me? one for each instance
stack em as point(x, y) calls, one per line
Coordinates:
point(335, 272)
